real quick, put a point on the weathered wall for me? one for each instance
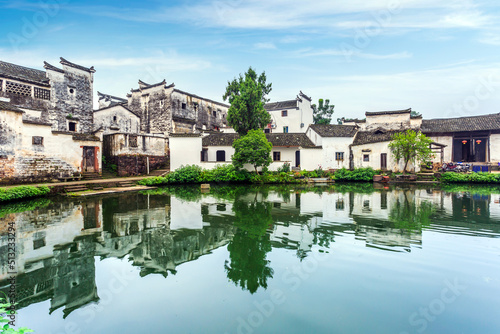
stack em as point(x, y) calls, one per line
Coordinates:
point(24, 158)
point(128, 165)
point(387, 121)
point(133, 144)
point(116, 119)
point(24, 100)
point(204, 113)
point(153, 105)
point(71, 94)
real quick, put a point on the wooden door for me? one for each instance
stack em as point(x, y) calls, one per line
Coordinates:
point(297, 158)
point(88, 159)
point(383, 161)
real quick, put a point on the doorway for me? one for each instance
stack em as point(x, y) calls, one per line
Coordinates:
point(88, 164)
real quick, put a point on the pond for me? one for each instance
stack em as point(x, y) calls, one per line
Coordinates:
point(346, 258)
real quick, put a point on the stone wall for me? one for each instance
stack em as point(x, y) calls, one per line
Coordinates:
point(128, 165)
point(71, 95)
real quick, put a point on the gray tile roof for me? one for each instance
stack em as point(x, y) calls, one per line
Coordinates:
point(334, 130)
point(201, 98)
point(10, 107)
point(394, 112)
point(277, 139)
point(21, 73)
point(70, 64)
point(36, 121)
point(376, 136)
point(281, 105)
point(462, 124)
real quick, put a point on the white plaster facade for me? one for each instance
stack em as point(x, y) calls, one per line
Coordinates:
point(293, 116)
point(116, 118)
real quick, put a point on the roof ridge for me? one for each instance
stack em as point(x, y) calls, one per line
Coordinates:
point(83, 68)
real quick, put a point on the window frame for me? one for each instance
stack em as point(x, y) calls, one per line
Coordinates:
point(276, 155)
point(339, 156)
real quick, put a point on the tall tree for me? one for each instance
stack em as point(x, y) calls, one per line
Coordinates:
point(322, 113)
point(247, 96)
point(254, 149)
point(410, 146)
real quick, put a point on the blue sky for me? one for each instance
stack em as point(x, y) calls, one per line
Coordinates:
point(440, 58)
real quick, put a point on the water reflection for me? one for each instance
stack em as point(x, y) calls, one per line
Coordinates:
point(158, 231)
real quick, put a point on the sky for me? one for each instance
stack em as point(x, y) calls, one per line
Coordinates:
point(440, 58)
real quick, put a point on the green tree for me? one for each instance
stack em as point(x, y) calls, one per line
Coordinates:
point(414, 113)
point(248, 266)
point(410, 146)
point(247, 96)
point(252, 149)
point(322, 113)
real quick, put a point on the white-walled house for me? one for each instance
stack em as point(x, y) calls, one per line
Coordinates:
point(117, 118)
point(334, 141)
point(291, 116)
point(358, 144)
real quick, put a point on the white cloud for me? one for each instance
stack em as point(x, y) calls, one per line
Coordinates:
point(350, 53)
point(265, 45)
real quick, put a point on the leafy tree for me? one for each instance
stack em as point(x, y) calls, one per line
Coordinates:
point(252, 149)
point(410, 146)
point(247, 96)
point(414, 113)
point(322, 113)
point(248, 266)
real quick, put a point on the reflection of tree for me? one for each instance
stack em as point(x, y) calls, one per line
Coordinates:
point(248, 266)
point(407, 215)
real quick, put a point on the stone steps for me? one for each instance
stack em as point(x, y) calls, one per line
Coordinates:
point(75, 188)
point(126, 184)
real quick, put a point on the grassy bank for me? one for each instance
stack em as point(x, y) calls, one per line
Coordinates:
point(228, 173)
point(451, 177)
point(22, 192)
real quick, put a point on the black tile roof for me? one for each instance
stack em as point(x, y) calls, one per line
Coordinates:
point(277, 139)
point(184, 135)
point(110, 97)
point(21, 73)
point(10, 107)
point(462, 124)
point(70, 64)
point(394, 112)
point(123, 105)
point(334, 130)
point(290, 104)
point(201, 98)
point(48, 66)
point(376, 136)
point(36, 121)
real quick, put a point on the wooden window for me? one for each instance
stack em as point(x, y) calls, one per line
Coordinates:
point(132, 141)
point(72, 126)
point(37, 140)
point(276, 156)
point(366, 157)
point(284, 113)
point(38, 243)
point(339, 155)
point(41, 93)
point(220, 155)
point(285, 129)
point(16, 88)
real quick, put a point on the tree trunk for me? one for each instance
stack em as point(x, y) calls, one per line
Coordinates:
point(404, 169)
point(256, 171)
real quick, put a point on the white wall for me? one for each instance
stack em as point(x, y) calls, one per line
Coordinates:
point(448, 150)
point(495, 148)
point(184, 151)
point(331, 145)
point(295, 117)
point(374, 155)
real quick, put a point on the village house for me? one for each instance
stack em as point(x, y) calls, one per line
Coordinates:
point(354, 144)
point(291, 116)
point(46, 122)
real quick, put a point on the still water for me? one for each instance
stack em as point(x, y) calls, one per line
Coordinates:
point(243, 259)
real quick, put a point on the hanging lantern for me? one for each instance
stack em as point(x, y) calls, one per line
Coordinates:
point(478, 141)
point(464, 142)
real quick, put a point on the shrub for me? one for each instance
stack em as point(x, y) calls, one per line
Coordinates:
point(358, 174)
point(285, 168)
point(22, 192)
point(451, 177)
